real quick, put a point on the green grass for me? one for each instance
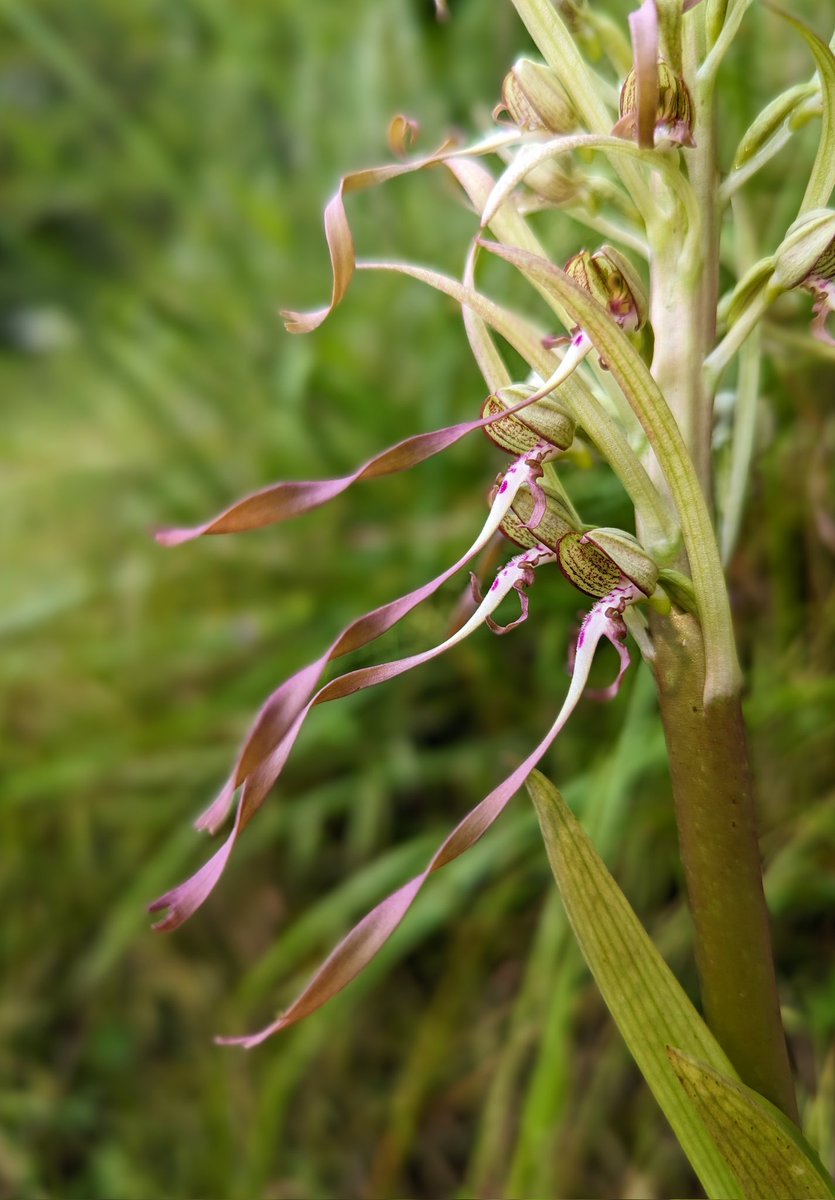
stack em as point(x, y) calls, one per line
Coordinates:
point(165, 167)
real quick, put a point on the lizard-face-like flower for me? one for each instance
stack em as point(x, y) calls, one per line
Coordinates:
point(672, 122)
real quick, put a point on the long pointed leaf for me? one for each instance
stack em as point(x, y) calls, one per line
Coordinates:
point(647, 1002)
point(766, 1152)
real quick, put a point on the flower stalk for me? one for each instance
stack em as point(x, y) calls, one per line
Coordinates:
point(712, 779)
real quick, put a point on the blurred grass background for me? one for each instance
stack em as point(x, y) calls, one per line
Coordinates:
point(164, 168)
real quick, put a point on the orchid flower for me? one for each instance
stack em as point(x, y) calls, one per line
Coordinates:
point(655, 104)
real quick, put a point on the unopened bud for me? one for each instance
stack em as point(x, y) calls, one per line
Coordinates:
point(543, 421)
point(806, 249)
point(610, 278)
point(534, 98)
point(769, 121)
point(596, 561)
point(556, 182)
point(806, 259)
point(674, 113)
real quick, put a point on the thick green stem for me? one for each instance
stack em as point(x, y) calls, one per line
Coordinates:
point(717, 827)
point(706, 739)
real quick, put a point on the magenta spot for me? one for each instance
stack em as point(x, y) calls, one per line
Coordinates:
point(503, 488)
point(494, 585)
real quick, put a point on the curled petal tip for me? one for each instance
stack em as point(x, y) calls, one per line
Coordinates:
point(171, 920)
point(187, 897)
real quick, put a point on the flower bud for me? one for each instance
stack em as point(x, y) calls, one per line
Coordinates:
point(543, 421)
point(610, 278)
point(596, 561)
point(534, 98)
point(768, 122)
point(674, 114)
point(556, 182)
point(806, 259)
point(806, 250)
point(554, 524)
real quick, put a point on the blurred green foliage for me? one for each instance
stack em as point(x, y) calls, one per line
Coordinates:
point(164, 170)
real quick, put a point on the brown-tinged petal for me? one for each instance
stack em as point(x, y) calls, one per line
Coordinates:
point(338, 231)
point(184, 900)
point(290, 498)
point(356, 950)
point(280, 720)
point(269, 746)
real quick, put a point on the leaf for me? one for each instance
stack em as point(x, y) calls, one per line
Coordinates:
point(822, 178)
point(647, 1003)
point(520, 333)
point(766, 1152)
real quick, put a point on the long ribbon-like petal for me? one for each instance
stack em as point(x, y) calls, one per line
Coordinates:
point(284, 703)
point(280, 722)
point(262, 777)
point(290, 498)
point(356, 950)
point(338, 231)
point(183, 900)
